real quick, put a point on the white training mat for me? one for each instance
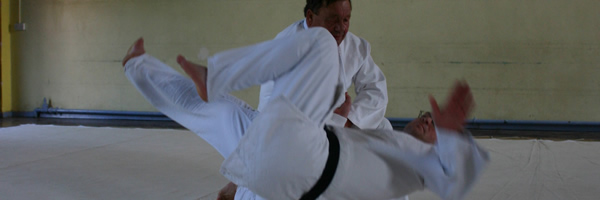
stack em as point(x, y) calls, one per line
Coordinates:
point(537, 169)
point(70, 162)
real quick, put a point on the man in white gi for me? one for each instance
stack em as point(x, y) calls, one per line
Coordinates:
point(367, 110)
point(284, 151)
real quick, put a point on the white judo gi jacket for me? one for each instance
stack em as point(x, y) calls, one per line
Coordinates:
point(283, 155)
point(369, 105)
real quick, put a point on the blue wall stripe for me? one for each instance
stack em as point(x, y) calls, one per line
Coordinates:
point(570, 126)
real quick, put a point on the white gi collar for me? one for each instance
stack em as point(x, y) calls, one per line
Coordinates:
point(305, 25)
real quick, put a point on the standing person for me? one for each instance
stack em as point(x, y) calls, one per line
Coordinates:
point(367, 110)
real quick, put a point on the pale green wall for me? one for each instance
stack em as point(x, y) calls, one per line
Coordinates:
point(525, 60)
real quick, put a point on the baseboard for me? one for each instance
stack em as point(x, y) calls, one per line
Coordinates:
point(519, 125)
point(18, 114)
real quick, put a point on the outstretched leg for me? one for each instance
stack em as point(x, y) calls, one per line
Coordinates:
point(221, 123)
point(197, 73)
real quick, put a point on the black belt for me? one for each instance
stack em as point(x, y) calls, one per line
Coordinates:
point(330, 167)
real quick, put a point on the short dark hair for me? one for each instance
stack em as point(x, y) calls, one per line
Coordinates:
point(315, 5)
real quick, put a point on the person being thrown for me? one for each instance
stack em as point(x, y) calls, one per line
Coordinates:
point(286, 153)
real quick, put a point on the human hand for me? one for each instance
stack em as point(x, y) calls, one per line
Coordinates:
point(458, 106)
point(344, 109)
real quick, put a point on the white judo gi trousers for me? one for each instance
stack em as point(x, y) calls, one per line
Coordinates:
point(221, 123)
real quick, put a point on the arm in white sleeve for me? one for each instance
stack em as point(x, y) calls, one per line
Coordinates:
point(461, 161)
point(336, 120)
point(448, 168)
point(370, 103)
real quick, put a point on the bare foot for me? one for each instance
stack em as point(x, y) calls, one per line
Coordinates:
point(227, 192)
point(137, 49)
point(197, 73)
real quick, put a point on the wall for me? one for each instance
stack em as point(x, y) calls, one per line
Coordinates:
point(525, 60)
point(7, 18)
